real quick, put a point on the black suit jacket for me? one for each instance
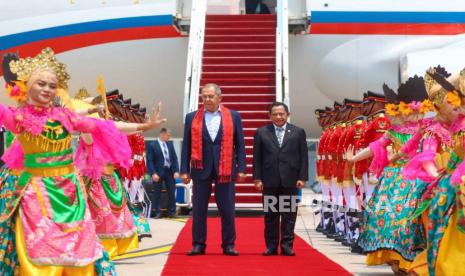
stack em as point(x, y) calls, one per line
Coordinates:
point(280, 166)
point(156, 160)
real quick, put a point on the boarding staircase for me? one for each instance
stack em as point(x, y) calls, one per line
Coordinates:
point(243, 54)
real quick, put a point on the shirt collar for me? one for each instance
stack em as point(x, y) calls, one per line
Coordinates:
point(283, 127)
point(216, 112)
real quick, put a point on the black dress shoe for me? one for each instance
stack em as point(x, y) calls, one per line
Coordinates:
point(159, 216)
point(172, 216)
point(286, 251)
point(196, 250)
point(346, 242)
point(270, 252)
point(230, 252)
point(355, 248)
point(340, 238)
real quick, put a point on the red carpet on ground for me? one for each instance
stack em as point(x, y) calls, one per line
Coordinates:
point(250, 244)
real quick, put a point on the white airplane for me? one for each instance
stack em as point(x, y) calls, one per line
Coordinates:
point(349, 47)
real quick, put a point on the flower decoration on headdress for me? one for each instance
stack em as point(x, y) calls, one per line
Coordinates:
point(17, 92)
point(415, 106)
point(404, 108)
point(45, 60)
point(391, 109)
point(453, 99)
point(426, 106)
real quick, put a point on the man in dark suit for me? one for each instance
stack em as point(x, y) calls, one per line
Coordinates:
point(280, 168)
point(162, 165)
point(213, 150)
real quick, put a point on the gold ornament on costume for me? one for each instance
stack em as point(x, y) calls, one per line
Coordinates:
point(82, 94)
point(45, 60)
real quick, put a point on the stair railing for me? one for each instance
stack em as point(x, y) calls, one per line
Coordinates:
point(194, 56)
point(282, 52)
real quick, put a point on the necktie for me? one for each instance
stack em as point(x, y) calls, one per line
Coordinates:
point(166, 155)
point(280, 135)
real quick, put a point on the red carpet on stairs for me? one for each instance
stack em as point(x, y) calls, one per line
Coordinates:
point(240, 56)
point(250, 244)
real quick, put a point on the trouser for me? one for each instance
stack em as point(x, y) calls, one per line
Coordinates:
point(326, 199)
point(170, 184)
point(351, 203)
point(225, 200)
point(337, 202)
point(282, 214)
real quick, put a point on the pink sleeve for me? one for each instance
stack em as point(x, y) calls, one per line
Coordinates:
point(380, 155)
point(414, 168)
point(7, 118)
point(109, 146)
point(458, 173)
point(410, 148)
point(14, 156)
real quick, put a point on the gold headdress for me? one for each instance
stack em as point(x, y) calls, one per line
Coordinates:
point(462, 81)
point(440, 88)
point(45, 60)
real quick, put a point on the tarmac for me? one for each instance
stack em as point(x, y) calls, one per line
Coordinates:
point(152, 254)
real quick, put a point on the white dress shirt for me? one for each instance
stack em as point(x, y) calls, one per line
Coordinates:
point(165, 152)
point(276, 131)
point(213, 122)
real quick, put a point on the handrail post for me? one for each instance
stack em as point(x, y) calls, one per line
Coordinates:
point(194, 56)
point(282, 50)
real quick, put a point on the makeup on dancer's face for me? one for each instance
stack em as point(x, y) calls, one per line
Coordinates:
point(43, 88)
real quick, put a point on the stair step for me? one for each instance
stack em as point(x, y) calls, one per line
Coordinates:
point(241, 89)
point(254, 114)
point(242, 38)
point(255, 123)
point(239, 31)
point(239, 68)
point(240, 53)
point(241, 17)
point(239, 75)
point(239, 60)
point(239, 81)
point(249, 97)
point(240, 24)
point(250, 132)
point(240, 45)
point(250, 106)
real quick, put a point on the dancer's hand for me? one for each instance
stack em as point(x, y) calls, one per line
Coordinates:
point(155, 119)
point(350, 153)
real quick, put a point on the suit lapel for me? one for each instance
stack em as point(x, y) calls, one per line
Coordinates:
point(220, 132)
point(273, 135)
point(287, 133)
